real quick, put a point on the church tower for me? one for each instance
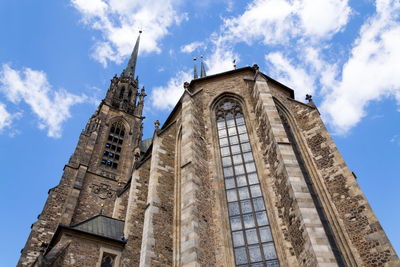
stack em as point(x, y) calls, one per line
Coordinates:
point(100, 166)
point(240, 174)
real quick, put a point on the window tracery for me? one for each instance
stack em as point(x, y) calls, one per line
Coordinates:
point(250, 230)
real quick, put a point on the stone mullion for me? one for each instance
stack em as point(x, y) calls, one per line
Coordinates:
point(246, 243)
point(257, 227)
point(316, 247)
point(190, 181)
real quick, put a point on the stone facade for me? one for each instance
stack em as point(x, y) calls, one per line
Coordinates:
point(172, 195)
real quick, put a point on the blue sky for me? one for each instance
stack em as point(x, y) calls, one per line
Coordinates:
point(57, 57)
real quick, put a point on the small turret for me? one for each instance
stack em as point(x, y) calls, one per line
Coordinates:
point(203, 69)
point(140, 105)
point(195, 76)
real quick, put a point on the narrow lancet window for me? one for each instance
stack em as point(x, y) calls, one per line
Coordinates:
point(251, 234)
point(112, 150)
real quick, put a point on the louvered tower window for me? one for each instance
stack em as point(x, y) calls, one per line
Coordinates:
point(113, 147)
point(251, 234)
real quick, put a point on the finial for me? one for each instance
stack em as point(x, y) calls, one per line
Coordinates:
point(137, 156)
point(195, 76)
point(186, 85)
point(101, 210)
point(143, 92)
point(255, 66)
point(203, 69)
point(156, 124)
point(234, 64)
point(309, 98)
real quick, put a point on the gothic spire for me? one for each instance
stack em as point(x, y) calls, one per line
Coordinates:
point(203, 69)
point(195, 76)
point(130, 69)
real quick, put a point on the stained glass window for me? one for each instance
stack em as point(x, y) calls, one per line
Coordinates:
point(251, 235)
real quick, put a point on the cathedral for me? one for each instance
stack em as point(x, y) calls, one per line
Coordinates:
point(240, 174)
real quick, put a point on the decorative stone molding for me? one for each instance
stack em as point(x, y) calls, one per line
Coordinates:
point(103, 191)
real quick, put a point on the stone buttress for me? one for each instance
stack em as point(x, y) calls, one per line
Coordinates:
point(240, 174)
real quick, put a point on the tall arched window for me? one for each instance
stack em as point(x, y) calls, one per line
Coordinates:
point(251, 234)
point(113, 147)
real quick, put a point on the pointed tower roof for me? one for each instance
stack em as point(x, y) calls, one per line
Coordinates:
point(203, 69)
point(195, 76)
point(130, 69)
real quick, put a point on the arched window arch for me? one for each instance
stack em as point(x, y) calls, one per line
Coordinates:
point(113, 147)
point(252, 240)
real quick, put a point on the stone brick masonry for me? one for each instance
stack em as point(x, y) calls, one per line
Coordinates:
point(170, 196)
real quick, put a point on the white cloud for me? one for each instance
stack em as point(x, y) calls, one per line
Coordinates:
point(166, 97)
point(323, 18)
point(6, 118)
point(220, 60)
point(119, 22)
point(291, 75)
point(230, 5)
point(279, 21)
point(189, 48)
point(371, 72)
point(51, 107)
point(222, 56)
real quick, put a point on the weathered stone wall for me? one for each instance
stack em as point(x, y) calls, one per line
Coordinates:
point(294, 202)
point(205, 195)
point(97, 196)
point(135, 215)
point(82, 251)
point(164, 220)
point(157, 243)
point(85, 186)
point(121, 204)
point(362, 239)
